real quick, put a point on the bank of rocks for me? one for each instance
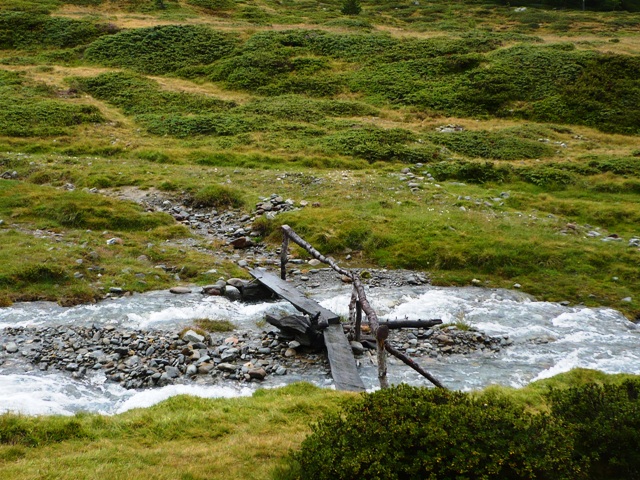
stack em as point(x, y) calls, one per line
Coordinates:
point(146, 358)
point(142, 359)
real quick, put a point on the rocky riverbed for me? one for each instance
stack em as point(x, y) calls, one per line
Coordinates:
point(155, 358)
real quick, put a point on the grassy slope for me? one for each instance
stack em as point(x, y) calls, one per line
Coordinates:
point(194, 438)
point(351, 103)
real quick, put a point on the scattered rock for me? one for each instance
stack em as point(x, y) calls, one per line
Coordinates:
point(193, 337)
point(180, 290)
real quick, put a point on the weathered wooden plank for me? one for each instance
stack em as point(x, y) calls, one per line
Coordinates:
point(295, 297)
point(343, 366)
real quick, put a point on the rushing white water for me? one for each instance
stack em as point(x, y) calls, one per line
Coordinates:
point(547, 339)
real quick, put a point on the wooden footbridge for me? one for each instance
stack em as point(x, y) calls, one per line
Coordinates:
point(343, 364)
point(341, 359)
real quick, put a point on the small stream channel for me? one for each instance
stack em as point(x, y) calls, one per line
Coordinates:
point(548, 338)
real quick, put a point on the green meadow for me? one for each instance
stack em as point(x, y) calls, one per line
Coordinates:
point(479, 142)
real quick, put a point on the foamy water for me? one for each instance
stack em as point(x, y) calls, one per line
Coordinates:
point(547, 339)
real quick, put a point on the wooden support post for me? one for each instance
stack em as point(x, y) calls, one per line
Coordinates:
point(412, 323)
point(358, 321)
point(408, 361)
point(284, 252)
point(382, 333)
point(352, 305)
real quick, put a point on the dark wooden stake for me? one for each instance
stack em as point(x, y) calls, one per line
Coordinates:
point(398, 354)
point(412, 323)
point(358, 321)
point(284, 252)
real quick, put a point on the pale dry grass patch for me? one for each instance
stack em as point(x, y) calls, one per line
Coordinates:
point(204, 88)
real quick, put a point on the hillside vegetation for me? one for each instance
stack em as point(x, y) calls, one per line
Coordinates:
point(401, 431)
point(519, 128)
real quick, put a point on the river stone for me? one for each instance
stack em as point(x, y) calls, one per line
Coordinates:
point(257, 373)
point(237, 282)
point(72, 367)
point(357, 347)
point(193, 337)
point(229, 354)
point(212, 290)
point(180, 290)
point(205, 368)
point(11, 347)
point(227, 367)
point(314, 262)
point(133, 361)
point(280, 370)
point(232, 293)
point(191, 370)
point(172, 372)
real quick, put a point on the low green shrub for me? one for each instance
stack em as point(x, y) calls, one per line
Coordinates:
point(416, 433)
point(377, 144)
point(29, 109)
point(22, 30)
point(605, 420)
point(546, 176)
point(499, 146)
point(214, 5)
point(162, 49)
point(473, 172)
point(295, 107)
point(183, 126)
point(137, 95)
point(217, 196)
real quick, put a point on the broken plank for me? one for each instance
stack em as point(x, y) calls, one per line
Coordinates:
point(295, 297)
point(343, 365)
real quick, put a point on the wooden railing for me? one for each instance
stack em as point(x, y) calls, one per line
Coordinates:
point(358, 303)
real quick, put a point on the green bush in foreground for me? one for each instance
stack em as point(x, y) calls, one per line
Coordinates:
point(606, 424)
point(413, 433)
point(406, 432)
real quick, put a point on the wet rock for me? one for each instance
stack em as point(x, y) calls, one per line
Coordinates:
point(11, 347)
point(180, 290)
point(242, 243)
point(232, 293)
point(357, 347)
point(192, 336)
point(227, 367)
point(257, 373)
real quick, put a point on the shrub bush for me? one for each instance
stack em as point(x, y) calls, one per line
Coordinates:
point(136, 94)
point(473, 172)
point(217, 196)
point(497, 146)
point(413, 433)
point(214, 5)
point(28, 30)
point(376, 144)
point(28, 109)
point(606, 423)
point(162, 49)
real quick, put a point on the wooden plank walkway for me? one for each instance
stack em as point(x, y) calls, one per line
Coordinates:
point(343, 366)
point(294, 296)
